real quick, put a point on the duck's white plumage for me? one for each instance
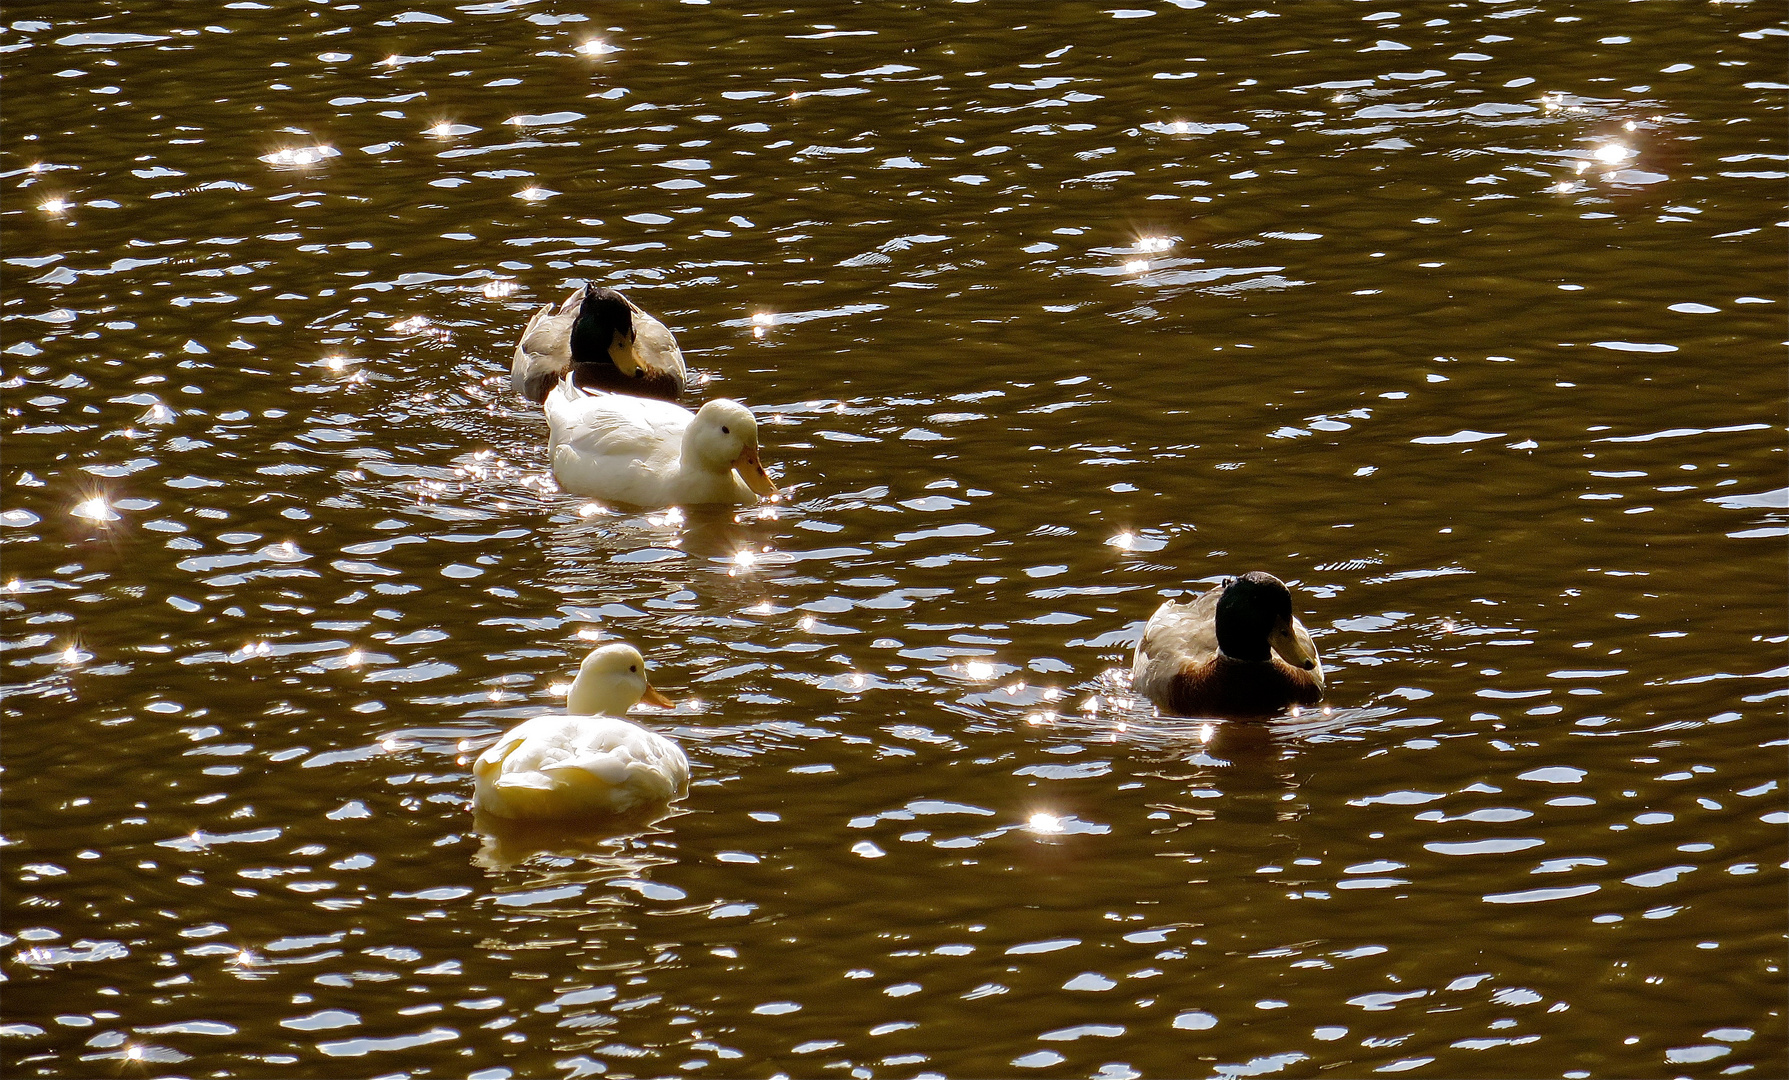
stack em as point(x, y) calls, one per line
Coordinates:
point(583, 764)
point(627, 449)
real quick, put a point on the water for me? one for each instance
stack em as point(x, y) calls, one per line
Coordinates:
point(1462, 318)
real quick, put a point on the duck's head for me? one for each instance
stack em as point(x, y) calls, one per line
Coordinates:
point(611, 332)
point(1254, 616)
point(610, 681)
point(723, 435)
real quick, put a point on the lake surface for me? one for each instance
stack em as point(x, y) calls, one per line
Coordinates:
point(1463, 318)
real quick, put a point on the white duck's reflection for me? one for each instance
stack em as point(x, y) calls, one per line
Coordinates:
point(604, 848)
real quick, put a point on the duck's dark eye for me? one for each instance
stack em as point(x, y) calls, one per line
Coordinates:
point(725, 430)
point(1309, 664)
point(639, 373)
point(636, 667)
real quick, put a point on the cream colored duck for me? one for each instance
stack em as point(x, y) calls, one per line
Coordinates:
point(636, 450)
point(588, 762)
point(1236, 650)
point(603, 340)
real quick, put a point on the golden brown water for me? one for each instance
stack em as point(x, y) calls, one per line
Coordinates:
point(1465, 319)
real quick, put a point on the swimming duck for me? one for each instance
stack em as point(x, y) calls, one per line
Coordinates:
point(604, 340)
point(589, 761)
point(635, 450)
point(1215, 655)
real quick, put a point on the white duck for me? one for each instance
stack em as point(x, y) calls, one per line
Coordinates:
point(636, 450)
point(604, 340)
point(583, 763)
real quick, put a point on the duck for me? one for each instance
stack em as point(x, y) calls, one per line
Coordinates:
point(602, 339)
point(587, 762)
point(1236, 650)
point(626, 449)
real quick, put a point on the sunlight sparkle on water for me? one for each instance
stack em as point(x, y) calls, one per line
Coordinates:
point(499, 288)
point(300, 156)
point(95, 509)
point(590, 633)
point(353, 658)
point(1045, 823)
point(55, 206)
point(745, 559)
point(1154, 243)
point(978, 669)
point(1613, 153)
point(1136, 266)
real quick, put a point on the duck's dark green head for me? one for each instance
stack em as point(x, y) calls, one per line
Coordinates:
point(603, 314)
point(1254, 618)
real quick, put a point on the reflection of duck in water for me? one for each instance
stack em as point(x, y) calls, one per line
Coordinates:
point(600, 848)
point(604, 340)
point(584, 763)
point(1236, 650)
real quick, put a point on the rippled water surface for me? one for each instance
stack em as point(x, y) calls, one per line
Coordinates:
point(1463, 318)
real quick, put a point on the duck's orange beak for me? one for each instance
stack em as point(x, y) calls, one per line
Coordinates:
point(751, 470)
point(653, 697)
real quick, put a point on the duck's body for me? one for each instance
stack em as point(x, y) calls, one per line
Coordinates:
point(1234, 651)
point(584, 764)
point(602, 340)
point(635, 450)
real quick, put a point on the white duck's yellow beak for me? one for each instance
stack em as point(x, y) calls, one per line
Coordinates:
point(653, 697)
point(751, 470)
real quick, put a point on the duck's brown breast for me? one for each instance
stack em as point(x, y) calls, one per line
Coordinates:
point(1221, 686)
point(608, 377)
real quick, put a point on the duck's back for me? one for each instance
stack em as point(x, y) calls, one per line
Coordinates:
point(615, 446)
point(1182, 634)
point(561, 766)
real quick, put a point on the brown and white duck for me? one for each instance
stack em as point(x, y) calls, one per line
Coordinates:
point(604, 341)
point(1236, 650)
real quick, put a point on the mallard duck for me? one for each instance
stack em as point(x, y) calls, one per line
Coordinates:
point(588, 761)
point(635, 450)
point(604, 340)
point(1215, 655)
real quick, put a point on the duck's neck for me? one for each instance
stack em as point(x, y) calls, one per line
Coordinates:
point(597, 697)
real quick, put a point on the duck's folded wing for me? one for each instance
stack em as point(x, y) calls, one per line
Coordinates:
point(1186, 629)
point(600, 425)
point(543, 354)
